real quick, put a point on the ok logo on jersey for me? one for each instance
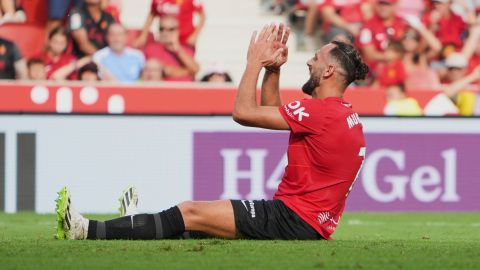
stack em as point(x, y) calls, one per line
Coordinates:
point(297, 110)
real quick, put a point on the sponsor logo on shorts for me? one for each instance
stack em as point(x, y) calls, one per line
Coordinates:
point(250, 207)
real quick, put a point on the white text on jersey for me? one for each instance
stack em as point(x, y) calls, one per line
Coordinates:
point(353, 120)
point(298, 111)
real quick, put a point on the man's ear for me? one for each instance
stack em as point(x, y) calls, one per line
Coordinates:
point(329, 71)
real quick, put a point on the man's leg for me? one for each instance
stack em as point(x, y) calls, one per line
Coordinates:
point(215, 218)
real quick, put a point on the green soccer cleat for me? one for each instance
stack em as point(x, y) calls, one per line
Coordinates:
point(128, 202)
point(70, 224)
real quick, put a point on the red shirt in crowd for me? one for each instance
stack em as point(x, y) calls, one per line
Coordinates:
point(449, 29)
point(349, 10)
point(52, 65)
point(392, 73)
point(377, 33)
point(325, 153)
point(167, 58)
point(182, 9)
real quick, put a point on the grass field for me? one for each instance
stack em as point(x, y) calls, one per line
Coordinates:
point(362, 241)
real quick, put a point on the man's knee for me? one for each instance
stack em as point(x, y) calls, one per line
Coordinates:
point(189, 209)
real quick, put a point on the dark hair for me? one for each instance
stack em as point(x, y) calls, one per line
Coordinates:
point(350, 60)
point(207, 77)
point(34, 61)
point(90, 67)
point(57, 30)
point(396, 46)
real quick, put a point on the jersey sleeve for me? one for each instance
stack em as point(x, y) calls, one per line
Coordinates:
point(303, 116)
point(76, 21)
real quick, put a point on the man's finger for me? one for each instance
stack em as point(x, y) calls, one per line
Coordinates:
point(274, 35)
point(253, 38)
point(285, 36)
point(262, 32)
point(280, 32)
point(269, 32)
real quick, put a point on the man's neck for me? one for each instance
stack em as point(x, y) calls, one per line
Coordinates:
point(324, 91)
point(95, 12)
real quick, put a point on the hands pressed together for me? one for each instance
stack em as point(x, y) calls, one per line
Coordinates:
point(268, 48)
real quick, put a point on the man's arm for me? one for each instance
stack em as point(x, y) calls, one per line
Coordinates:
point(80, 36)
point(261, 53)
point(192, 39)
point(452, 89)
point(270, 95)
point(21, 72)
point(142, 39)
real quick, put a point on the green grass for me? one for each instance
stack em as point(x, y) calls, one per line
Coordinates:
point(362, 241)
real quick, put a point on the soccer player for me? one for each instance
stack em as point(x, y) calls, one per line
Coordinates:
point(325, 153)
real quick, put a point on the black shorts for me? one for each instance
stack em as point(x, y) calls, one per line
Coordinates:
point(270, 220)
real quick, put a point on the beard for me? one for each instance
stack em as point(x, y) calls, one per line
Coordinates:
point(310, 85)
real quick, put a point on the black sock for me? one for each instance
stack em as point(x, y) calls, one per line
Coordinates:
point(164, 225)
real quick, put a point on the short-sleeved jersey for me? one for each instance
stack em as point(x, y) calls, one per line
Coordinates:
point(182, 9)
point(125, 67)
point(450, 30)
point(97, 31)
point(325, 153)
point(52, 65)
point(375, 32)
point(9, 54)
point(167, 58)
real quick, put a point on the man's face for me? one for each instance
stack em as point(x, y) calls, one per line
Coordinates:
point(37, 72)
point(441, 7)
point(454, 74)
point(317, 66)
point(385, 10)
point(117, 37)
point(152, 70)
point(58, 44)
point(168, 31)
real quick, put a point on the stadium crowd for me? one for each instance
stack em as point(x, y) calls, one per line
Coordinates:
point(408, 44)
point(87, 41)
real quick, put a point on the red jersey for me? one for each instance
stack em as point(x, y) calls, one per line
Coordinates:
point(392, 73)
point(375, 32)
point(182, 9)
point(167, 58)
point(325, 153)
point(52, 65)
point(449, 30)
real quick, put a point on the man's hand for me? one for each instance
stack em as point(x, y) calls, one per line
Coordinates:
point(269, 48)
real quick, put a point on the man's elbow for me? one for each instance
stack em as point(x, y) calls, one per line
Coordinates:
point(241, 117)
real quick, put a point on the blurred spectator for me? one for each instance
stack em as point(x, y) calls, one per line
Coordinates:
point(152, 71)
point(447, 26)
point(379, 31)
point(277, 7)
point(177, 60)
point(216, 73)
point(12, 64)
point(88, 25)
point(420, 47)
point(392, 71)
point(36, 70)
point(9, 12)
point(113, 8)
point(117, 62)
point(57, 12)
point(399, 104)
point(471, 49)
point(344, 17)
point(183, 11)
point(459, 85)
point(89, 73)
point(410, 8)
point(56, 55)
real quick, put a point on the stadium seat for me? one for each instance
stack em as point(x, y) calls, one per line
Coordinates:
point(30, 41)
